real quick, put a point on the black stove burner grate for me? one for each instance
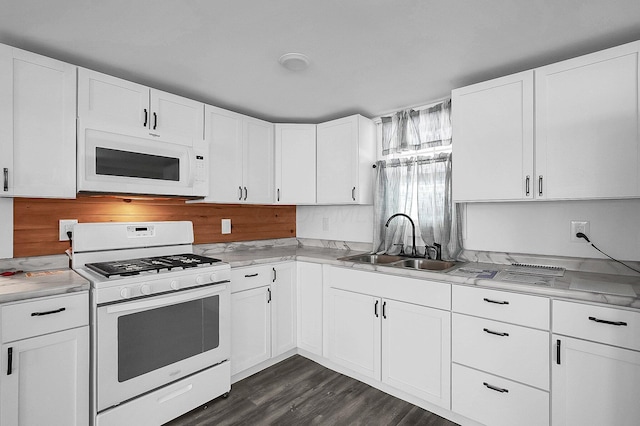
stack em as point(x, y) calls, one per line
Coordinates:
point(129, 267)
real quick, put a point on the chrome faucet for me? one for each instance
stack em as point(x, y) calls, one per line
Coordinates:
point(413, 227)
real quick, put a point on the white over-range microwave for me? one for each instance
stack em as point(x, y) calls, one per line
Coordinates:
point(115, 163)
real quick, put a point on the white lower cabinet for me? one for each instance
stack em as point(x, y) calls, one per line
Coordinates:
point(496, 401)
point(309, 309)
point(594, 383)
point(45, 377)
point(262, 313)
point(402, 344)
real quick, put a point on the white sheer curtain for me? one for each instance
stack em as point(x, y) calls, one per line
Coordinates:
point(421, 188)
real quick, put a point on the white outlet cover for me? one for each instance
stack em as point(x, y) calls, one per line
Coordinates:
point(226, 226)
point(579, 226)
point(64, 226)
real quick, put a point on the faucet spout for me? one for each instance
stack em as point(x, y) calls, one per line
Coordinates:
point(414, 252)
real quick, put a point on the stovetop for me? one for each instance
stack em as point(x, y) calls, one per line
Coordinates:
point(129, 267)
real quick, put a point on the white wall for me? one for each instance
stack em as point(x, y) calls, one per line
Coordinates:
point(6, 228)
point(341, 223)
point(544, 228)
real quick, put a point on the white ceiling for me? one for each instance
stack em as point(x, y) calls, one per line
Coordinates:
point(367, 56)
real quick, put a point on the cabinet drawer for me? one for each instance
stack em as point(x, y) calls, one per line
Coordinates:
point(521, 309)
point(513, 351)
point(612, 326)
point(42, 316)
point(495, 401)
point(251, 277)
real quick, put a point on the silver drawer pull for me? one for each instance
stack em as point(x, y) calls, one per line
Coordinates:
point(497, 302)
point(497, 389)
point(622, 323)
point(39, 314)
point(497, 333)
point(251, 275)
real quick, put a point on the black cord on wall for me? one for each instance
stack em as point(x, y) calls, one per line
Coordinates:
point(583, 236)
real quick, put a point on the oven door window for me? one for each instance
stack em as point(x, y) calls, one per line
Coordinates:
point(159, 337)
point(114, 162)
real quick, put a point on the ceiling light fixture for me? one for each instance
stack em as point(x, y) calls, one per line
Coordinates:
point(294, 61)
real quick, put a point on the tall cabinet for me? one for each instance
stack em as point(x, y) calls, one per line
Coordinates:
point(37, 125)
point(295, 163)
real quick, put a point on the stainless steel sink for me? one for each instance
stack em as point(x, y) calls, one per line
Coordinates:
point(400, 261)
point(425, 264)
point(372, 258)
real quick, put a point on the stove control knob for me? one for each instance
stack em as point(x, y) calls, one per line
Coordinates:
point(125, 293)
point(175, 284)
point(145, 289)
point(201, 280)
point(214, 277)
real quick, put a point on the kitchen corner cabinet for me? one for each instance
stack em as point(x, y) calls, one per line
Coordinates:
point(45, 359)
point(121, 106)
point(262, 313)
point(37, 125)
point(242, 158)
point(378, 326)
point(295, 167)
point(585, 142)
point(493, 132)
point(309, 308)
point(595, 365)
point(346, 153)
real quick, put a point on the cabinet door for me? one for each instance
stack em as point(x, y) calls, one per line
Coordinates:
point(310, 307)
point(283, 308)
point(337, 151)
point(594, 384)
point(110, 103)
point(493, 133)
point(48, 382)
point(416, 350)
point(250, 328)
point(223, 131)
point(37, 125)
point(354, 331)
point(258, 171)
point(295, 163)
point(176, 118)
point(587, 126)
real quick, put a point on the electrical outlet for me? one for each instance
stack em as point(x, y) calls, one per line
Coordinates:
point(66, 225)
point(579, 226)
point(226, 226)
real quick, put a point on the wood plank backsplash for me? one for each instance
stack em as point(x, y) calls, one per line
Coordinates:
point(36, 220)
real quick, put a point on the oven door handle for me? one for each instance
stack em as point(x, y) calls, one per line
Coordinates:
point(171, 299)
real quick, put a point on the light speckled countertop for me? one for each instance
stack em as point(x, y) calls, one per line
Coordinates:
point(40, 284)
point(561, 288)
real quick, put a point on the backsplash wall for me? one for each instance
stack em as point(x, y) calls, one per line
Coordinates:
point(36, 220)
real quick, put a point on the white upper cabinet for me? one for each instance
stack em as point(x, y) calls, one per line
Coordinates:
point(493, 134)
point(586, 138)
point(121, 106)
point(587, 126)
point(345, 156)
point(295, 163)
point(242, 157)
point(37, 125)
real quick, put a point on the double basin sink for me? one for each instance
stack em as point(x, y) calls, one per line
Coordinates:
point(401, 261)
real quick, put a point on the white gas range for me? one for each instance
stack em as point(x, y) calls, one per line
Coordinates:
point(160, 321)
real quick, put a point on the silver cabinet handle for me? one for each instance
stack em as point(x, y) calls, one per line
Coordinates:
point(540, 185)
point(526, 186)
point(497, 302)
point(6, 179)
point(268, 295)
point(240, 190)
point(278, 195)
point(146, 114)
point(497, 333)
point(495, 388)
point(353, 193)
point(155, 121)
point(245, 193)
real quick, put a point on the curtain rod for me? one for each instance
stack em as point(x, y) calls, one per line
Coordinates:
point(378, 119)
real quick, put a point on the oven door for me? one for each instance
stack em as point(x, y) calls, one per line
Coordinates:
point(116, 163)
point(147, 343)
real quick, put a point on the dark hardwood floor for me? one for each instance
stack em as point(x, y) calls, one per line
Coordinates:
point(298, 391)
